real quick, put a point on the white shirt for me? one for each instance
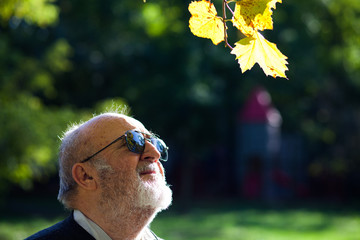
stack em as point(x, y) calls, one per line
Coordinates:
point(94, 230)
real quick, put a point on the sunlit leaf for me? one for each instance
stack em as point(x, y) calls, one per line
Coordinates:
point(204, 21)
point(257, 49)
point(253, 15)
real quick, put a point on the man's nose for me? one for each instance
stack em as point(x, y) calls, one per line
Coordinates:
point(150, 153)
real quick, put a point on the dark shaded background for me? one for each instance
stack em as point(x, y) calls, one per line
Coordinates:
point(188, 91)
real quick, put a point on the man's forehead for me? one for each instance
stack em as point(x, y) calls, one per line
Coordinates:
point(111, 124)
point(135, 123)
point(130, 123)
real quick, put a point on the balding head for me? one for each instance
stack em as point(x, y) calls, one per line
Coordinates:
point(110, 173)
point(80, 141)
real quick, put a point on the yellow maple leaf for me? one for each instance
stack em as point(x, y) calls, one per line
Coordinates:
point(256, 49)
point(253, 15)
point(204, 21)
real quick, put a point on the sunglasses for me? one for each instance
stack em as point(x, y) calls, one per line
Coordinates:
point(135, 142)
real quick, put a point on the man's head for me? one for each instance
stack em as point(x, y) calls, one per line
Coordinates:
point(115, 179)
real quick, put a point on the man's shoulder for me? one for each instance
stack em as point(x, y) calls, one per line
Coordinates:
point(67, 229)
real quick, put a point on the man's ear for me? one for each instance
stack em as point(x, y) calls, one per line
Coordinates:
point(83, 177)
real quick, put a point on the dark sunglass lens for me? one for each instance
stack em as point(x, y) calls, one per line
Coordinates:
point(161, 147)
point(135, 141)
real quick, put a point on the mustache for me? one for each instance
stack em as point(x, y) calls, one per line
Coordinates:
point(150, 167)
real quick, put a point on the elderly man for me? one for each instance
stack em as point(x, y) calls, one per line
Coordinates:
point(112, 180)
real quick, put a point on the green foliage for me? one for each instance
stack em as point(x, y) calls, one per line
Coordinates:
point(324, 44)
point(345, 50)
point(29, 139)
point(158, 19)
point(57, 56)
point(40, 12)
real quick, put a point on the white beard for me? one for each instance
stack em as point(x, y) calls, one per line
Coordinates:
point(124, 196)
point(156, 195)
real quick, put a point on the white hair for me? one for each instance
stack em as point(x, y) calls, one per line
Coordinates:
point(68, 156)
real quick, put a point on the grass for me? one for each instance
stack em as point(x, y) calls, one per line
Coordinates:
point(255, 223)
point(227, 220)
point(19, 228)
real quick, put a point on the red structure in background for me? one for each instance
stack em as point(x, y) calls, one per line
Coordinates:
point(258, 150)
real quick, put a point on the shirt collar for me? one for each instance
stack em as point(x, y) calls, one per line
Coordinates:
point(92, 228)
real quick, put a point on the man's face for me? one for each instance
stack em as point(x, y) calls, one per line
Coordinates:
point(130, 178)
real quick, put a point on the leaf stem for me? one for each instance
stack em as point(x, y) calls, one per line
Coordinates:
point(224, 6)
point(228, 7)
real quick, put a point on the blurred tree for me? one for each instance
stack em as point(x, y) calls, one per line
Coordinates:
point(322, 105)
point(39, 12)
point(28, 66)
point(183, 87)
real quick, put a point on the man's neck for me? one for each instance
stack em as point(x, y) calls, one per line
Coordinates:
point(127, 225)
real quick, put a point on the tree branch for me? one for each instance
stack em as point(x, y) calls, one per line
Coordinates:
point(224, 6)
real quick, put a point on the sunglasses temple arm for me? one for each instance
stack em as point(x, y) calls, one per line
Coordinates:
point(88, 158)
